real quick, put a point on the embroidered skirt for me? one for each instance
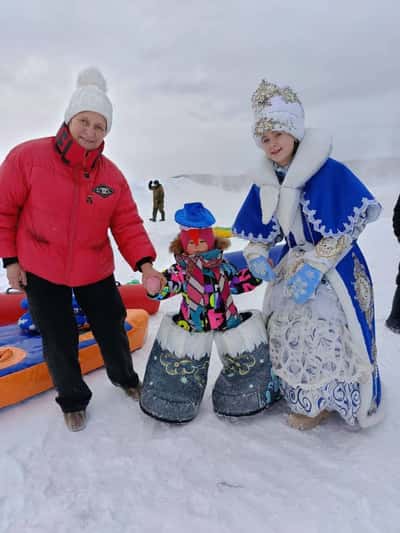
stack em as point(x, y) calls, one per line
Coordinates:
point(312, 352)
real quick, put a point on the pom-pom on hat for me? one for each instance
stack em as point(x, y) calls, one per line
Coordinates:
point(276, 109)
point(90, 95)
point(194, 215)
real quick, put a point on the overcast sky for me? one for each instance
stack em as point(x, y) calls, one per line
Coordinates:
point(181, 73)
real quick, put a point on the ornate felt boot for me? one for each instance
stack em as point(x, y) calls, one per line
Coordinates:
point(176, 373)
point(246, 384)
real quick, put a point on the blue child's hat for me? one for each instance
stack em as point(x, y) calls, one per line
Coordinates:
point(194, 215)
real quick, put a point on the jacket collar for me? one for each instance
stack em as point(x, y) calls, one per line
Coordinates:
point(283, 199)
point(72, 153)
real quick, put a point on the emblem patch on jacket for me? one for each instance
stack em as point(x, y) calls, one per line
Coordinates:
point(103, 190)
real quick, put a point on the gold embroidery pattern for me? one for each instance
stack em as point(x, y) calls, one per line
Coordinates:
point(267, 124)
point(330, 247)
point(242, 364)
point(374, 351)
point(293, 268)
point(267, 90)
point(363, 288)
point(185, 367)
point(271, 124)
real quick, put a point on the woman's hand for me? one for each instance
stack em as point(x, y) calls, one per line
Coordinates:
point(16, 277)
point(152, 280)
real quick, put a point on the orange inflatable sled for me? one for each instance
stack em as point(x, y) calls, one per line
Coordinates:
point(133, 296)
point(23, 372)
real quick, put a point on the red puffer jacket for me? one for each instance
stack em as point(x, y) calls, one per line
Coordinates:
point(57, 203)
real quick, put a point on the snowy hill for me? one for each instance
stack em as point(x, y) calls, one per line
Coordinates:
point(372, 171)
point(376, 170)
point(128, 473)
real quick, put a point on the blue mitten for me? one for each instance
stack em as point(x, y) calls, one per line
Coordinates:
point(261, 269)
point(303, 284)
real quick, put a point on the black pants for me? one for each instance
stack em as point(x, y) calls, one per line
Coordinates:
point(155, 210)
point(51, 309)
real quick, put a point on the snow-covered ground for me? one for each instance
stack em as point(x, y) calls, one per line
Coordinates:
point(128, 473)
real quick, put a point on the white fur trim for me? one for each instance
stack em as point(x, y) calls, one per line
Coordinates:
point(181, 342)
point(243, 338)
point(370, 208)
point(255, 249)
point(282, 200)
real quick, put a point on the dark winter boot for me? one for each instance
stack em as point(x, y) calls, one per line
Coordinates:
point(393, 321)
point(246, 383)
point(154, 217)
point(176, 373)
point(162, 216)
point(134, 392)
point(76, 420)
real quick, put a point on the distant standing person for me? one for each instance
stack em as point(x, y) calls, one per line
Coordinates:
point(59, 197)
point(393, 321)
point(158, 199)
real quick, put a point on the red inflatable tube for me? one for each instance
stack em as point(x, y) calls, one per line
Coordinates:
point(133, 296)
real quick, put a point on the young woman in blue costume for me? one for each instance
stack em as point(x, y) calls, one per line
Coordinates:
point(319, 302)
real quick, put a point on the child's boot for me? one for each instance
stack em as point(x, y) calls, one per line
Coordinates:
point(176, 373)
point(393, 321)
point(246, 383)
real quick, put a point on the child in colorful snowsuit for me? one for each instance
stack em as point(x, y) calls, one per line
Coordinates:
point(176, 373)
point(319, 303)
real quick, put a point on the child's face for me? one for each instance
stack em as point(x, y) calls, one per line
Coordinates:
point(193, 248)
point(278, 146)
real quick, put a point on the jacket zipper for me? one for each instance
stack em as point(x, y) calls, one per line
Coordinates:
point(73, 222)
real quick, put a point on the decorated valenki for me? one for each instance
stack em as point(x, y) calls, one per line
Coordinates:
point(176, 373)
point(319, 303)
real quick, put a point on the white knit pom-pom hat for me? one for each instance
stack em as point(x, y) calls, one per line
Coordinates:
point(90, 95)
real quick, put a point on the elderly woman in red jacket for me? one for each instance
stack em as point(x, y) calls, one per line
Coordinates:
point(59, 196)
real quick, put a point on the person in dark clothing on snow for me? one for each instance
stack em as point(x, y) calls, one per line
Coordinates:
point(158, 199)
point(393, 321)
